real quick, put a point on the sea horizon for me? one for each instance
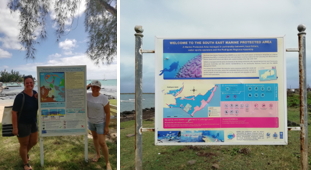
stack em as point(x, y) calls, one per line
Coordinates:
point(127, 101)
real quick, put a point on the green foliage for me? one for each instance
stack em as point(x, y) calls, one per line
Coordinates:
point(293, 100)
point(12, 76)
point(102, 29)
point(234, 151)
point(100, 23)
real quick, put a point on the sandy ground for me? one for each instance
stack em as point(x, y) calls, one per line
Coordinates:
point(4, 103)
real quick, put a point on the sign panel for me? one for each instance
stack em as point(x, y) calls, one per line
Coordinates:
point(62, 100)
point(220, 91)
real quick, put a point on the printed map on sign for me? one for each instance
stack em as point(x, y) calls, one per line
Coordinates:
point(267, 74)
point(52, 87)
point(188, 100)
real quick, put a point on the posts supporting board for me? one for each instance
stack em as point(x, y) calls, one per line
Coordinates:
point(85, 150)
point(41, 151)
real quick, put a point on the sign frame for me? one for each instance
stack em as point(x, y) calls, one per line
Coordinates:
point(71, 68)
point(159, 104)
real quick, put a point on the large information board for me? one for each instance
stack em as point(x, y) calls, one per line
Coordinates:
point(62, 100)
point(220, 91)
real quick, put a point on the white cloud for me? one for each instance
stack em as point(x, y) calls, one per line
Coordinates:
point(93, 71)
point(68, 44)
point(5, 54)
point(80, 10)
point(10, 29)
point(56, 55)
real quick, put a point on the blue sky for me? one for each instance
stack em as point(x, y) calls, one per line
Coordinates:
point(70, 50)
point(201, 18)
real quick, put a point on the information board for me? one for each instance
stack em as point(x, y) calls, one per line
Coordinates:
point(220, 91)
point(62, 100)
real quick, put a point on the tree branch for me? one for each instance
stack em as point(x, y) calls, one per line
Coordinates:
point(109, 8)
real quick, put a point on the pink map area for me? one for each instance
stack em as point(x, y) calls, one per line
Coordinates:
point(204, 103)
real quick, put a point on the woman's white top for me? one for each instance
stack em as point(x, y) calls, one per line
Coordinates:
point(95, 108)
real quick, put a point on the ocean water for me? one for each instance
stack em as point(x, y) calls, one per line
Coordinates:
point(127, 101)
point(109, 87)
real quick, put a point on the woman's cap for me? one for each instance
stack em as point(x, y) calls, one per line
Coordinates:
point(96, 83)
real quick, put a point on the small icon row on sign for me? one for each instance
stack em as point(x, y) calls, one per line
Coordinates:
point(241, 106)
point(231, 112)
point(256, 95)
point(261, 88)
point(237, 106)
point(234, 96)
point(263, 105)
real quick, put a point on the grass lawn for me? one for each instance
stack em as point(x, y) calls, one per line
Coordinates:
point(227, 157)
point(61, 153)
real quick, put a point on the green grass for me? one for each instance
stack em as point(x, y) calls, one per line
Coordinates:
point(293, 100)
point(227, 157)
point(61, 153)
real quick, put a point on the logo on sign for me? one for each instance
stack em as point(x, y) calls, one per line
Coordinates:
point(281, 135)
point(268, 135)
point(275, 135)
point(231, 135)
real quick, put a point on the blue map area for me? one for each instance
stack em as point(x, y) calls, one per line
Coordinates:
point(267, 74)
point(175, 92)
point(190, 102)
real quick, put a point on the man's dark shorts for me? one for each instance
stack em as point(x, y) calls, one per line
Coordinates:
point(26, 129)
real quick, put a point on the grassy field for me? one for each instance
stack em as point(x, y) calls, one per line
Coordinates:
point(60, 153)
point(226, 157)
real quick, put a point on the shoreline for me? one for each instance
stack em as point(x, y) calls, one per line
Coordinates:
point(148, 115)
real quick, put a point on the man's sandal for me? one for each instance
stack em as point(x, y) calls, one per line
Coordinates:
point(28, 167)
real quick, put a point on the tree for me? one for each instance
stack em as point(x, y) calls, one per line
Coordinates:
point(100, 22)
point(14, 76)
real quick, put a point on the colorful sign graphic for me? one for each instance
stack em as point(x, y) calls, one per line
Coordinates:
point(226, 91)
point(62, 101)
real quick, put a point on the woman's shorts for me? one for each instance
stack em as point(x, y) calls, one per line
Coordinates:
point(99, 128)
point(26, 129)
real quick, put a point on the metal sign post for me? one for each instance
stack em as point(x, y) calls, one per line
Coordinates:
point(138, 96)
point(303, 96)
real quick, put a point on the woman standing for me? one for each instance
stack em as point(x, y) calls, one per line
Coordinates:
point(98, 112)
point(25, 127)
